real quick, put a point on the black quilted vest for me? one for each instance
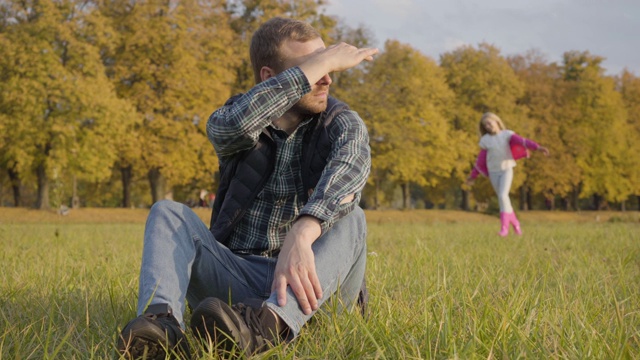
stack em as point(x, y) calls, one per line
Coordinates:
point(243, 177)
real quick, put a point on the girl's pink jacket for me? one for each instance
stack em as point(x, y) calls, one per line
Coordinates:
point(519, 149)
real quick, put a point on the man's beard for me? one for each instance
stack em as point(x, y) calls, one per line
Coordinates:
point(310, 104)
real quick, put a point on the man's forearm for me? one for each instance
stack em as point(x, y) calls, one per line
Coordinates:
point(237, 125)
point(335, 58)
point(307, 229)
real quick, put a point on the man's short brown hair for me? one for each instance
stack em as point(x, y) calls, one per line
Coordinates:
point(266, 41)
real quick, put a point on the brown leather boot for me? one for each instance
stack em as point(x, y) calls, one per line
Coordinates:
point(251, 328)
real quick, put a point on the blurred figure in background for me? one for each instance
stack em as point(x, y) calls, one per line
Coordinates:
point(500, 148)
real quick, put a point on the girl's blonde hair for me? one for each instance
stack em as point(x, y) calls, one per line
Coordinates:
point(490, 116)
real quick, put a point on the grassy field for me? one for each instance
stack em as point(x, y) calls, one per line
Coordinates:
point(443, 286)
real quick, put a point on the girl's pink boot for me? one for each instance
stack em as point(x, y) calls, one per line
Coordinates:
point(504, 224)
point(516, 224)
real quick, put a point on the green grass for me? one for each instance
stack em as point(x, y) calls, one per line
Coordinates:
point(439, 290)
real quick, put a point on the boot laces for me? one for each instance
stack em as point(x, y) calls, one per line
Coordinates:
point(255, 321)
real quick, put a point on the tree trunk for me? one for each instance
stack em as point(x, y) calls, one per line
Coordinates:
point(75, 200)
point(158, 185)
point(523, 198)
point(598, 202)
point(464, 201)
point(575, 200)
point(127, 175)
point(16, 183)
point(376, 194)
point(406, 196)
point(42, 202)
point(550, 202)
point(529, 198)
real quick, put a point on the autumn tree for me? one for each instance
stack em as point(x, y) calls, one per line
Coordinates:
point(348, 86)
point(404, 101)
point(629, 87)
point(172, 61)
point(595, 129)
point(554, 176)
point(60, 111)
point(482, 81)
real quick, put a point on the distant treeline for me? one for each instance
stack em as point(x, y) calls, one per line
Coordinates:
point(104, 103)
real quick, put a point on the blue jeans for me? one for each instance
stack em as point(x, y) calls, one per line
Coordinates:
point(182, 260)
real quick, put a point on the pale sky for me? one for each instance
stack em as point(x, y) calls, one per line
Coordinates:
point(607, 28)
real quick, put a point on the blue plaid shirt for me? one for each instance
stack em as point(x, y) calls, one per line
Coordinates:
point(235, 128)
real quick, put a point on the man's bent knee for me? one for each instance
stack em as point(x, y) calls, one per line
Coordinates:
point(164, 206)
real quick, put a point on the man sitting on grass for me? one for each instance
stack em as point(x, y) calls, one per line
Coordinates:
point(286, 231)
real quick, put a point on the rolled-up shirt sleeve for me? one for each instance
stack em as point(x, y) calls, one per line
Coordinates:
point(346, 172)
point(236, 126)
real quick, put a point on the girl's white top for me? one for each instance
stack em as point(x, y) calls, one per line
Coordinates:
point(498, 150)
